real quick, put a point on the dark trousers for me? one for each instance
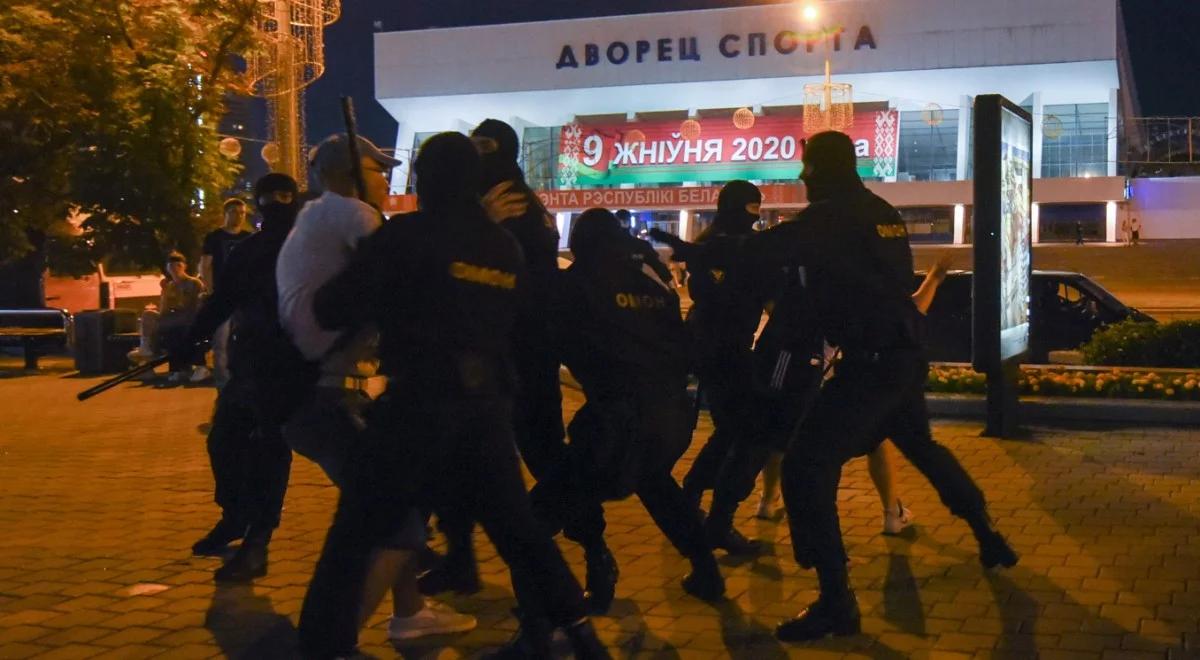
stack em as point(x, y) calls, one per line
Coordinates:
point(250, 464)
point(662, 428)
point(865, 402)
point(539, 434)
point(172, 337)
point(737, 451)
point(417, 451)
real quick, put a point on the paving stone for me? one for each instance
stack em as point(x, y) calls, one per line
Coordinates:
point(96, 501)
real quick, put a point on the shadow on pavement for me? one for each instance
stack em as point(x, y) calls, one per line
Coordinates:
point(901, 598)
point(1022, 614)
point(746, 639)
point(246, 625)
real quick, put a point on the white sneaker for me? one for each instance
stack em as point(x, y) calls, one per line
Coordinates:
point(895, 520)
point(434, 619)
point(200, 374)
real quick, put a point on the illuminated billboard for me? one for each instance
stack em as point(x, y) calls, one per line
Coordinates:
point(1016, 223)
point(1002, 232)
point(711, 149)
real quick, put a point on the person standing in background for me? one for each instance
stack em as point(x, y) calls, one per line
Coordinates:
point(217, 245)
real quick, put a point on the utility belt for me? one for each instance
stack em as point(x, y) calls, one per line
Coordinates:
point(339, 381)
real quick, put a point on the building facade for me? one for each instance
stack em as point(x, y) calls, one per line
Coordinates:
point(654, 112)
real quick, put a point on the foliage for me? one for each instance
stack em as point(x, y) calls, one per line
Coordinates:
point(1114, 384)
point(1174, 344)
point(111, 109)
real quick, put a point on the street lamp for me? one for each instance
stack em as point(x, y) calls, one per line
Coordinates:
point(828, 106)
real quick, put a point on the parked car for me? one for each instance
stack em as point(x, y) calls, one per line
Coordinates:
point(1065, 310)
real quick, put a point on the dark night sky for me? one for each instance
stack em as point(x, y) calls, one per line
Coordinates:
point(1163, 46)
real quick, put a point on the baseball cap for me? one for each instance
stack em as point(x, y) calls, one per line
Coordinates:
point(333, 154)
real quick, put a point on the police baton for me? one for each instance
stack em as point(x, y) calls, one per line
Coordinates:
point(360, 184)
point(129, 375)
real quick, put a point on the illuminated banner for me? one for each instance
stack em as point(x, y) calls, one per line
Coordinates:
point(712, 150)
point(666, 199)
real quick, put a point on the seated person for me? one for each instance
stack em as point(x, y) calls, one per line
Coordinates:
point(163, 330)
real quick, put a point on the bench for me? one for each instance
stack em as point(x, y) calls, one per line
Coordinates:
point(35, 330)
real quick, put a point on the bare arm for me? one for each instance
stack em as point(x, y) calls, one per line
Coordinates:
point(923, 298)
point(206, 270)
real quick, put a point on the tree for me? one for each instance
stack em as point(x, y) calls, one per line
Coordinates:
point(111, 110)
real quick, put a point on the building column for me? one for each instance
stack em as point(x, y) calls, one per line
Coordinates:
point(960, 216)
point(1035, 223)
point(1114, 101)
point(1039, 113)
point(1110, 222)
point(404, 152)
point(964, 138)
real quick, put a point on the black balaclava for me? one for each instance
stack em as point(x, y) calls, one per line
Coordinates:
point(732, 216)
point(830, 166)
point(277, 217)
point(596, 232)
point(448, 171)
point(501, 164)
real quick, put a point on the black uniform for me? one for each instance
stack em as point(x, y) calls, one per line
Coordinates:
point(727, 308)
point(442, 286)
point(854, 249)
point(537, 405)
point(622, 337)
point(250, 460)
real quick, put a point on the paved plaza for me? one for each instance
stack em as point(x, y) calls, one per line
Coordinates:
point(101, 501)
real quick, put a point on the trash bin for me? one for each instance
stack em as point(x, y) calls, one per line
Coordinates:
point(103, 338)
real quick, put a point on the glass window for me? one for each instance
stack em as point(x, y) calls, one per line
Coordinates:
point(1075, 140)
point(1071, 222)
point(539, 149)
point(929, 224)
point(928, 150)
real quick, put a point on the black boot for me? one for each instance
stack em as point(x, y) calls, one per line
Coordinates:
point(532, 642)
point(705, 581)
point(995, 552)
point(216, 542)
point(724, 536)
point(458, 572)
point(831, 615)
point(602, 575)
point(249, 562)
point(585, 643)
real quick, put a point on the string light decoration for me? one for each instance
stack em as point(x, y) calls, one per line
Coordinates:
point(229, 147)
point(689, 129)
point(289, 55)
point(269, 153)
point(933, 115)
point(828, 106)
point(1052, 127)
point(743, 118)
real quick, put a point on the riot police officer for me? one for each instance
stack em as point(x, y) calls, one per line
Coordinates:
point(537, 404)
point(443, 286)
point(250, 460)
point(854, 250)
point(621, 335)
point(725, 313)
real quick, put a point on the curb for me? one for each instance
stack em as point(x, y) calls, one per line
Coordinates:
point(1055, 409)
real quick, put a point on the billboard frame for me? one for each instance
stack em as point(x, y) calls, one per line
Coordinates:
point(987, 353)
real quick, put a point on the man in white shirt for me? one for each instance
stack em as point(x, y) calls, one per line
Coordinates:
point(324, 428)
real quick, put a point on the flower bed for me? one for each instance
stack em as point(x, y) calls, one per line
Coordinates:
point(1096, 384)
